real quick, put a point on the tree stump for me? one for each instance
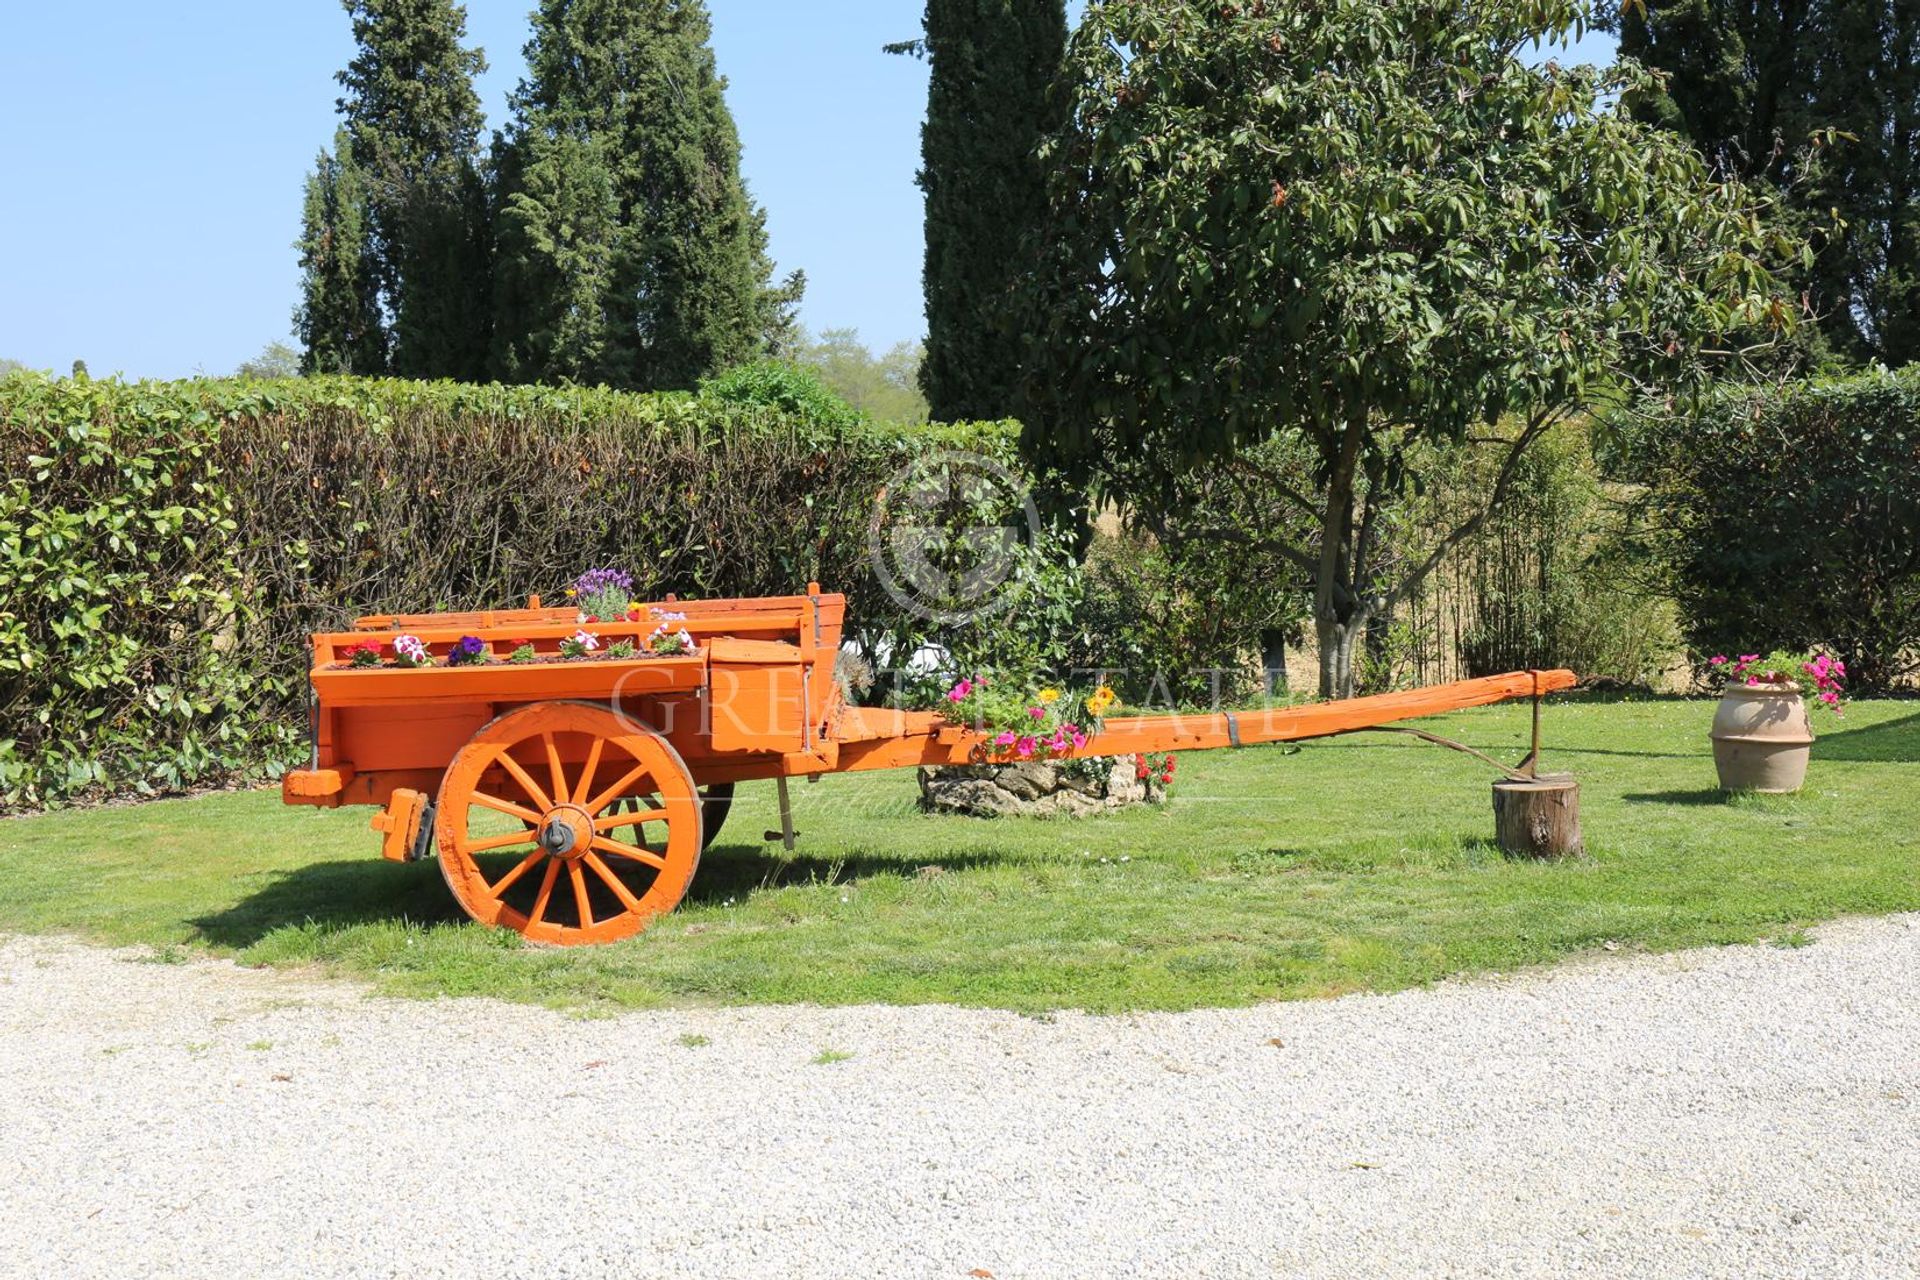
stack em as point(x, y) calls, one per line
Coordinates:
point(1539, 818)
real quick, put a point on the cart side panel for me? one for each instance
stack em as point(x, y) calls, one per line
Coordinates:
point(756, 696)
point(418, 736)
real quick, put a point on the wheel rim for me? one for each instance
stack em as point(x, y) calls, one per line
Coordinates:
point(568, 824)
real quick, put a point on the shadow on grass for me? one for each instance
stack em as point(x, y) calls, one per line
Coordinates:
point(1699, 798)
point(735, 871)
point(1890, 742)
point(342, 895)
point(335, 895)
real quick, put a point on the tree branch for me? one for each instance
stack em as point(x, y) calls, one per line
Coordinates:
point(1534, 429)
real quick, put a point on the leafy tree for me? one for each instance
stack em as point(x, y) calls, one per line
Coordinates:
point(411, 137)
point(276, 360)
point(8, 366)
point(629, 250)
point(338, 321)
point(1367, 225)
point(1821, 99)
point(992, 62)
point(795, 390)
point(886, 386)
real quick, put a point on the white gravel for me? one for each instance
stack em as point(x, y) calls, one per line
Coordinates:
point(1743, 1112)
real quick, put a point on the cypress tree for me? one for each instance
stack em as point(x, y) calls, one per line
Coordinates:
point(338, 319)
point(1821, 99)
point(992, 62)
point(411, 135)
point(629, 251)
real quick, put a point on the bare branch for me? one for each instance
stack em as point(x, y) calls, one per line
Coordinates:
point(1503, 483)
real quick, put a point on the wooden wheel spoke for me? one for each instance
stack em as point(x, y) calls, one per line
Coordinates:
point(631, 863)
point(587, 771)
point(614, 882)
point(491, 843)
point(525, 779)
point(614, 821)
point(633, 853)
point(559, 772)
point(580, 898)
point(507, 807)
point(617, 790)
point(513, 877)
point(546, 892)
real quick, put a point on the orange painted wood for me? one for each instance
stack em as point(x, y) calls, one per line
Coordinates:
point(1128, 735)
point(505, 682)
point(399, 824)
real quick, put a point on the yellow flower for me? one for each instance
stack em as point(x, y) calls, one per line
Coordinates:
point(1049, 695)
point(571, 593)
point(1102, 700)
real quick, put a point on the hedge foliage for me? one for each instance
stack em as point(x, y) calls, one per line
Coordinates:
point(1789, 518)
point(166, 547)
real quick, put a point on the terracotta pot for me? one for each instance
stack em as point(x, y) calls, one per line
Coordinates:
point(1762, 738)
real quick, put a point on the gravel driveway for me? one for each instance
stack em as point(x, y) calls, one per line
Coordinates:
point(1743, 1112)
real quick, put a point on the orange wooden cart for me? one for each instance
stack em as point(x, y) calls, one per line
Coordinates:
point(569, 800)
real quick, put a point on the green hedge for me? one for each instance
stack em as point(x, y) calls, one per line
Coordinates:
point(1789, 518)
point(166, 547)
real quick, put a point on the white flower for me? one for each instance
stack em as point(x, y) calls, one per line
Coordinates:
point(587, 641)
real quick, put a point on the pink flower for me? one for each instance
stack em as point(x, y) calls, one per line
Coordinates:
point(1006, 740)
point(1079, 740)
point(1038, 713)
point(1749, 657)
point(960, 691)
point(1719, 660)
point(1024, 747)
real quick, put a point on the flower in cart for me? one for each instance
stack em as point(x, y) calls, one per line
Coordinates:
point(635, 613)
point(468, 651)
point(670, 644)
point(364, 654)
point(603, 593)
point(580, 644)
point(523, 652)
point(1025, 747)
point(1006, 739)
point(1048, 696)
point(408, 651)
point(1101, 702)
point(1038, 713)
point(960, 692)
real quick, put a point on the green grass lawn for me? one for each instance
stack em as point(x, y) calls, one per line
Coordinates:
point(1354, 864)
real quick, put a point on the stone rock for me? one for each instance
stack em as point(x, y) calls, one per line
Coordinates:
point(1030, 789)
point(1029, 780)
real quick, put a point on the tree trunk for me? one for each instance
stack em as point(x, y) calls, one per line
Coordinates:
point(1538, 818)
point(1336, 656)
point(1338, 614)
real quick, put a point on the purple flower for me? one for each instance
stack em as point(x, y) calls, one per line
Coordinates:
point(467, 651)
point(594, 581)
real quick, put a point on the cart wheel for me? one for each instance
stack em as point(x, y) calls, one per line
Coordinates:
point(716, 802)
point(535, 836)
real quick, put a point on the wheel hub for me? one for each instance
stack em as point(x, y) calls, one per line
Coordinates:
point(566, 831)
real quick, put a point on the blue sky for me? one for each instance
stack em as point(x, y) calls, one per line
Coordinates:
point(154, 155)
